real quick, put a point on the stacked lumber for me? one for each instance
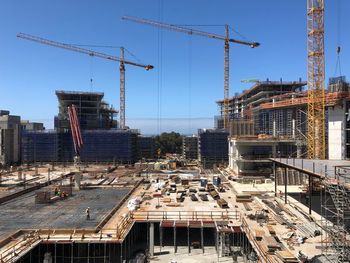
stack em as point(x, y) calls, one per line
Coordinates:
point(242, 198)
point(271, 244)
point(166, 200)
point(259, 233)
point(271, 230)
point(286, 256)
point(173, 204)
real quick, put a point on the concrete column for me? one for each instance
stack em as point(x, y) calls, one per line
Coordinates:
point(121, 252)
point(174, 239)
point(293, 128)
point(274, 150)
point(299, 151)
point(88, 252)
point(188, 239)
point(20, 175)
point(160, 237)
point(310, 194)
point(217, 243)
point(151, 239)
point(77, 180)
point(202, 239)
point(129, 245)
point(285, 185)
point(275, 176)
point(104, 253)
point(72, 255)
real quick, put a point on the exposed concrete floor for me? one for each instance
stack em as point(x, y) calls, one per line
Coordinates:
point(264, 188)
point(318, 167)
point(23, 213)
point(196, 256)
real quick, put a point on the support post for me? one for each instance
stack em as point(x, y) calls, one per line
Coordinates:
point(188, 238)
point(175, 238)
point(310, 194)
point(88, 252)
point(121, 252)
point(160, 237)
point(55, 259)
point(71, 254)
point(202, 237)
point(151, 239)
point(275, 176)
point(104, 253)
point(217, 243)
point(285, 185)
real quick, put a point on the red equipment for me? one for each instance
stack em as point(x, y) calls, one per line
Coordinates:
point(75, 127)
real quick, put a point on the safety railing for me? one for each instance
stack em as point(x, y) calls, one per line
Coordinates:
point(186, 215)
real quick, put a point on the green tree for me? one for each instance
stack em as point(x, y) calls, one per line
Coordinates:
point(169, 142)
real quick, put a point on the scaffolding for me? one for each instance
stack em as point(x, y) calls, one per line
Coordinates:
point(190, 147)
point(113, 145)
point(39, 146)
point(93, 112)
point(109, 145)
point(335, 205)
point(213, 147)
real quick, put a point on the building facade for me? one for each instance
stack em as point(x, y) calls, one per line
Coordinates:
point(146, 147)
point(10, 136)
point(242, 105)
point(118, 146)
point(249, 156)
point(190, 147)
point(213, 147)
point(93, 112)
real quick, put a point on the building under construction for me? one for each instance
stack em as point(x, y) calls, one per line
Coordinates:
point(93, 112)
point(116, 214)
point(118, 146)
point(190, 147)
point(242, 105)
point(103, 141)
point(253, 197)
point(213, 147)
point(277, 112)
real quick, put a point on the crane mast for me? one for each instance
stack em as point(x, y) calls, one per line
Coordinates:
point(92, 53)
point(122, 89)
point(226, 40)
point(316, 94)
point(226, 79)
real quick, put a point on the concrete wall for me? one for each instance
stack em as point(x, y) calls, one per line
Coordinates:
point(336, 138)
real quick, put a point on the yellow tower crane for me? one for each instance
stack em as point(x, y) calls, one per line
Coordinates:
point(99, 55)
point(316, 93)
point(225, 38)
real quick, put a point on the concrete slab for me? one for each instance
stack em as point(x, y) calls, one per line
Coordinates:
point(23, 213)
point(196, 256)
point(319, 168)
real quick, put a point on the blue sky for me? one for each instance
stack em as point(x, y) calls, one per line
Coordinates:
point(188, 69)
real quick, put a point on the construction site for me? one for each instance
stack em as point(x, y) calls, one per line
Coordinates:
point(269, 182)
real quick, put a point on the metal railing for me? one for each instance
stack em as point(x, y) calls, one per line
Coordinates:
point(186, 215)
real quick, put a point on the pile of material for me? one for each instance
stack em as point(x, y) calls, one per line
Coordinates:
point(270, 245)
point(242, 198)
point(133, 204)
point(286, 256)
